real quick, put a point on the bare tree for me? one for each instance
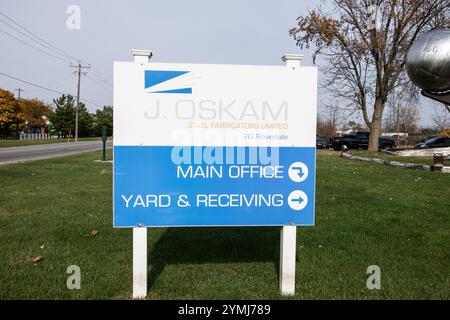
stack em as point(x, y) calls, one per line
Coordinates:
point(441, 118)
point(403, 113)
point(333, 117)
point(334, 114)
point(364, 44)
point(322, 127)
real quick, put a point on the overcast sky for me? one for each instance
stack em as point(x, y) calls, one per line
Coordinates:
point(197, 31)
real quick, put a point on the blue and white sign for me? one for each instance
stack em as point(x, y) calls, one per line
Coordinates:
point(213, 145)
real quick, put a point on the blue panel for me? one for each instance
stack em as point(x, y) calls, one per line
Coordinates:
point(154, 77)
point(146, 178)
point(182, 90)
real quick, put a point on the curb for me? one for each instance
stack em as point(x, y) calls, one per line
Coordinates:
point(406, 165)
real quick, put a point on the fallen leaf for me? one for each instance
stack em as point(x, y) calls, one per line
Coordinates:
point(38, 259)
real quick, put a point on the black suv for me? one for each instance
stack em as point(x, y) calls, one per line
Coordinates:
point(360, 140)
point(321, 143)
point(435, 142)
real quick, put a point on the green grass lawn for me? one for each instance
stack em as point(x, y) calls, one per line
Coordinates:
point(18, 143)
point(366, 214)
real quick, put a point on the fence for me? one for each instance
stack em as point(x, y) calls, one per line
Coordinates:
point(36, 136)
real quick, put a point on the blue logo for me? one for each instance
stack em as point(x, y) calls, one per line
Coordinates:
point(158, 77)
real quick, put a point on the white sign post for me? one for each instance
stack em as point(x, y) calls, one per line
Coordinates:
point(288, 239)
point(198, 145)
point(139, 263)
point(140, 234)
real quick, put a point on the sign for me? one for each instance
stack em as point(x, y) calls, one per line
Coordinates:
point(213, 145)
point(104, 133)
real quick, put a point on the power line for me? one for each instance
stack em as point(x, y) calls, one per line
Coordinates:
point(104, 82)
point(52, 49)
point(29, 45)
point(87, 101)
point(99, 83)
point(46, 42)
point(31, 84)
point(49, 46)
point(31, 38)
point(45, 88)
point(97, 74)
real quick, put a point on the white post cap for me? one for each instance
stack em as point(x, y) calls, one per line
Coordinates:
point(142, 56)
point(292, 60)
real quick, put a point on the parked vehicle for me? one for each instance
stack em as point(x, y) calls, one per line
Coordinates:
point(436, 142)
point(360, 140)
point(322, 143)
point(429, 137)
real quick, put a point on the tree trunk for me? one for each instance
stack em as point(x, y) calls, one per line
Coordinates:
point(397, 126)
point(375, 126)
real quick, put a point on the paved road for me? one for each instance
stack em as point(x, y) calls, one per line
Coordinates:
point(45, 151)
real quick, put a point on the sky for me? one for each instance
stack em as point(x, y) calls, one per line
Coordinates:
point(195, 31)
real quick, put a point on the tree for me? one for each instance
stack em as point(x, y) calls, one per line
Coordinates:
point(441, 118)
point(403, 114)
point(103, 118)
point(63, 118)
point(322, 127)
point(35, 112)
point(355, 126)
point(85, 121)
point(332, 117)
point(9, 111)
point(364, 44)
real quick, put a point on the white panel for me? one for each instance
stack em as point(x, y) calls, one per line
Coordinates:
point(221, 94)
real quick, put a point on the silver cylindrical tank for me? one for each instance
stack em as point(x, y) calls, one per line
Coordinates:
point(428, 61)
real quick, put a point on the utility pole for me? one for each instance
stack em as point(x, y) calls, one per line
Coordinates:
point(19, 90)
point(78, 73)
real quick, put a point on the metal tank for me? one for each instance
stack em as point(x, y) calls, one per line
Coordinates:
point(428, 64)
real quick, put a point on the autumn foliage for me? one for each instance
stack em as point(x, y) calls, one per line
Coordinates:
point(10, 113)
point(34, 112)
